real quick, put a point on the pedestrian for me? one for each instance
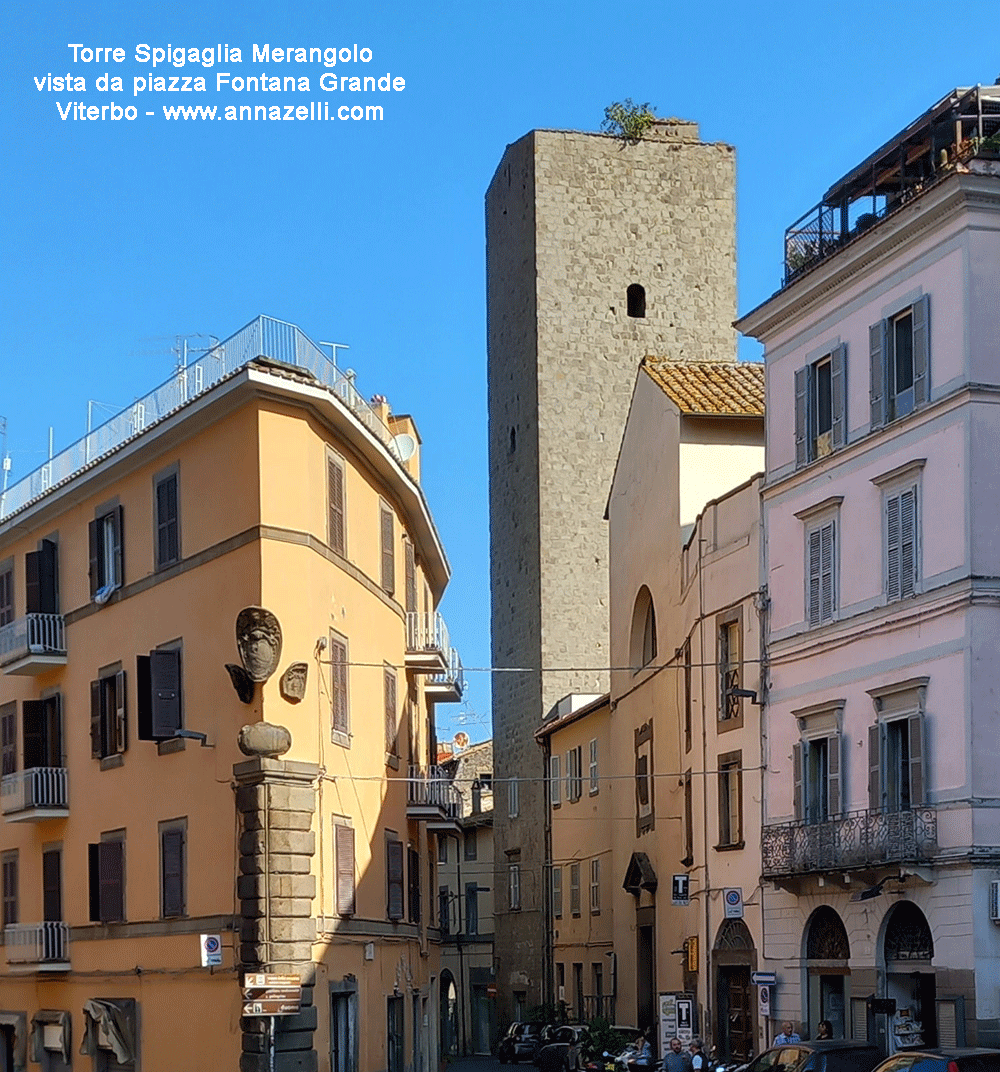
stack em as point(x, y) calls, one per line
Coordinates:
point(699, 1062)
point(643, 1056)
point(788, 1034)
point(824, 1030)
point(675, 1059)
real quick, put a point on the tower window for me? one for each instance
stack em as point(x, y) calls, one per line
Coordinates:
point(636, 298)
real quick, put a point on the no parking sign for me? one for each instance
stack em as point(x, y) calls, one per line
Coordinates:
point(211, 950)
point(764, 1001)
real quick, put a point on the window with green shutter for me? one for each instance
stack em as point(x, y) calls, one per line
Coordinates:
point(821, 406)
point(388, 550)
point(172, 868)
point(822, 594)
point(901, 544)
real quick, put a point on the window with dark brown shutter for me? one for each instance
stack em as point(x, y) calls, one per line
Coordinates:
point(172, 870)
point(344, 844)
point(388, 550)
point(40, 593)
point(52, 885)
point(335, 503)
point(391, 717)
point(168, 534)
point(411, 575)
point(107, 880)
point(6, 594)
point(42, 726)
point(106, 535)
point(394, 879)
point(340, 718)
point(108, 735)
point(8, 738)
point(8, 869)
point(158, 692)
point(413, 883)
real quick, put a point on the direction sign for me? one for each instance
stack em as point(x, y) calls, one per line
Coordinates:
point(270, 1007)
point(763, 978)
point(269, 979)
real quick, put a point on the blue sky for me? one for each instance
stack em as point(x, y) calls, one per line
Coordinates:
point(118, 236)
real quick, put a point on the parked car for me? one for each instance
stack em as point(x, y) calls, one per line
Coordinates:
point(555, 1045)
point(836, 1055)
point(945, 1060)
point(519, 1042)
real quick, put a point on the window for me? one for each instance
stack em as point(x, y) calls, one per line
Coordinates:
point(642, 641)
point(8, 869)
point(42, 728)
point(394, 1034)
point(471, 908)
point(52, 885)
point(901, 523)
point(444, 909)
point(41, 579)
point(7, 592)
point(108, 732)
point(555, 792)
point(557, 905)
point(900, 362)
point(387, 536)
point(413, 883)
point(8, 738)
point(107, 878)
point(391, 715)
point(730, 655)
point(158, 694)
point(688, 820)
point(896, 748)
point(167, 517)
point(394, 878)
point(731, 800)
point(595, 783)
point(574, 773)
point(106, 559)
point(513, 798)
point(410, 563)
point(514, 887)
point(635, 301)
point(817, 787)
point(595, 886)
point(822, 593)
point(340, 718)
point(470, 844)
point(644, 810)
point(335, 529)
point(686, 659)
point(442, 849)
point(574, 889)
point(173, 838)
point(821, 406)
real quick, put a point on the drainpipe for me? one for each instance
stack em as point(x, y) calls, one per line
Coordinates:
point(704, 790)
point(548, 955)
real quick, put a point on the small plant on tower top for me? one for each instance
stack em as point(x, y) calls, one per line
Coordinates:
point(627, 120)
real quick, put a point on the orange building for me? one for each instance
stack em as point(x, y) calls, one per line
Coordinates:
point(133, 824)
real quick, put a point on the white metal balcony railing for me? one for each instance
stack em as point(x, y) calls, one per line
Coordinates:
point(263, 336)
point(37, 943)
point(430, 788)
point(41, 788)
point(426, 631)
point(34, 634)
point(451, 679)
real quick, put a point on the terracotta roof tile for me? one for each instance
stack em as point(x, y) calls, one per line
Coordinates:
point(710, 388)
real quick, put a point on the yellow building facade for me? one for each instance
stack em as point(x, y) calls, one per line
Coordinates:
point(133, 823)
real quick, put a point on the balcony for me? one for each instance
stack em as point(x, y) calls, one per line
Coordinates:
point(34, 795)
point(428, 649)
point(431, 798)
point(33, 644)
point(857, 841)
point(42, 947)
point(448, 686)
point(955, 135)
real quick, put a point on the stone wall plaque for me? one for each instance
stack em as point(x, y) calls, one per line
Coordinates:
point(258, 640)
point(293, 682)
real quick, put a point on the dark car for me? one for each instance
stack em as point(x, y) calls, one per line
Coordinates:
point(519, 1043)
point(835, 1055)
point(946, 1060)
point(553, 1053)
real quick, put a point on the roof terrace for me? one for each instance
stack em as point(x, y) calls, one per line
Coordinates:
point(962, 126)
point(262, 337)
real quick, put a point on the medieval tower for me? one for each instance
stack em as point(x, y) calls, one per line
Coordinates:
point(599, 252)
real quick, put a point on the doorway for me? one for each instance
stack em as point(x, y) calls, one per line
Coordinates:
point(736, 1013)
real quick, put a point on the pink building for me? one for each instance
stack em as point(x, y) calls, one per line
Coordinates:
point(881, 811)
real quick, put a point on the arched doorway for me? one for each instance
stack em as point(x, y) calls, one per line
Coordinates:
point(734, 958)
point(827, 954)
point(449, 1015)
point(907, 954)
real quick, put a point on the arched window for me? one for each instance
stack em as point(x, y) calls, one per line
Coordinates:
point(827, 937)
point(642, 644)
point(636, 300)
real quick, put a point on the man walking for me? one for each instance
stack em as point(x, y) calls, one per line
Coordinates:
point(788, 1034)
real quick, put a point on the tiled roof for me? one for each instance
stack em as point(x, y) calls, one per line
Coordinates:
point(710, 388)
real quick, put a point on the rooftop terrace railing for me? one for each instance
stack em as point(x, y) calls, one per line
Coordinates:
point(262, 337)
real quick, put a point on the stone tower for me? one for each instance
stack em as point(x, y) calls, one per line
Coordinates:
point(598, 253)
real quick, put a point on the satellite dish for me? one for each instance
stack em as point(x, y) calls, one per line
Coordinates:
point(405, 446)
point(461, 739)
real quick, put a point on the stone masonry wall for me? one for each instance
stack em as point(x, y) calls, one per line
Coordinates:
point(572, 220)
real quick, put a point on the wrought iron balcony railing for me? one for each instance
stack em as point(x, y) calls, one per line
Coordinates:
point(35, 793)
point(34, 638)
point(41, 945)
point(450, 683)
point(854, 841)
point(430, 794)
